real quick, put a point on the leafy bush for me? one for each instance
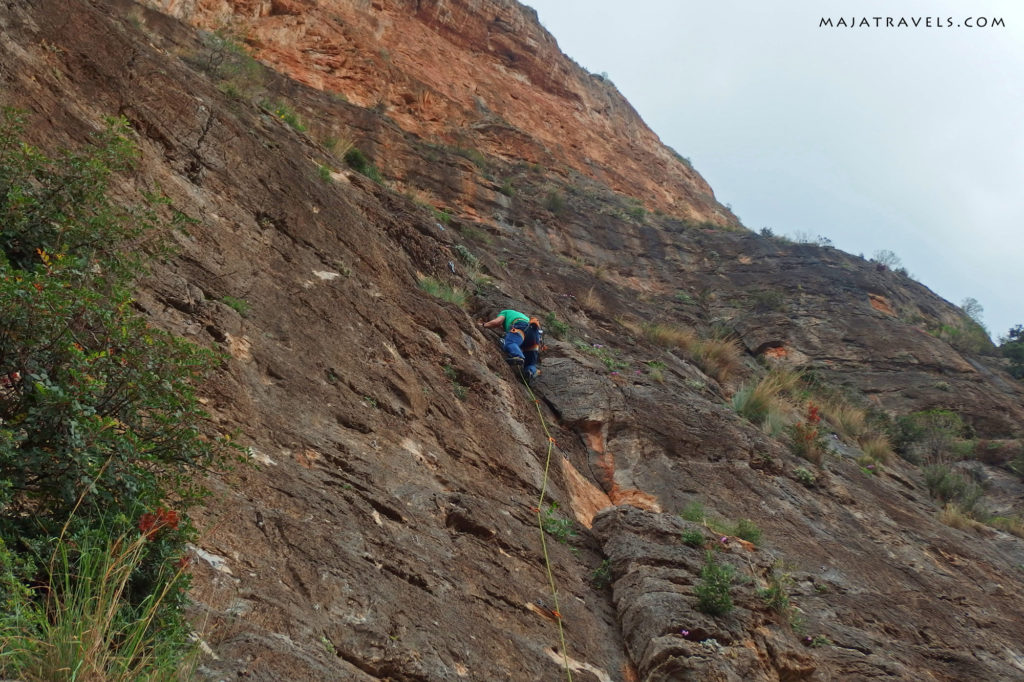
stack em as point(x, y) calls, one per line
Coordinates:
point(601, 577)
point(99, 427)
point(805, 476)
point(693, 538)
point(239, 305)
point(713, 590)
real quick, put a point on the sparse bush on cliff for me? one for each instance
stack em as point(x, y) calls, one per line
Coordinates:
point(926, 436)
point(766, 403)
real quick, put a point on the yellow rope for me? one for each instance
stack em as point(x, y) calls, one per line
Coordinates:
point(540, 525)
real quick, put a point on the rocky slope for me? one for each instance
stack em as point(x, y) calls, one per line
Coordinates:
point(386, 529)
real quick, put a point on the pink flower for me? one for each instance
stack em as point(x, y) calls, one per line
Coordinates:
point(684, 633)
point(724, 540)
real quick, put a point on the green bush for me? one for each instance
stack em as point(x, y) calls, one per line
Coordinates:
point(926, 436)
point(100, 427)
point(693, 538)
point(713, 590)
point(946, 485)
point(746, 529)
point(358, 162)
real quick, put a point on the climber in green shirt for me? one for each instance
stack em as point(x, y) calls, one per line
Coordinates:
point(522, 340)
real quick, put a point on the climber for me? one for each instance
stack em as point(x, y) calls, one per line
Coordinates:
point(522, 341)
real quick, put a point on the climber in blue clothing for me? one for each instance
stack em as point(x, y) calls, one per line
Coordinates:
point(522, 341)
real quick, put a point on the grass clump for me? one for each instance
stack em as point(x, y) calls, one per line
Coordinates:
point(445, 292)
point(284, 112)
point(766, 403)
point(714, 589)
point(656, 370)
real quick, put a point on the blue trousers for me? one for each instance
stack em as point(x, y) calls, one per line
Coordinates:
point(521, 335)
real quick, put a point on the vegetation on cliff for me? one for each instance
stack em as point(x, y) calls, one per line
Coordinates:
point(99, 425)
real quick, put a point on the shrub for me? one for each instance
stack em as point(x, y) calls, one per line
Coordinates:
point(239, 305)
point(656, 370)
point(284, 112)
point(466, 256)
point(747, 530)
point(947, 486)
point(927, 435)
point(555, 202)
point(445, 292)
point(358, 162)
point(556, 525)
point(101, 429)
point(776, 594)
point(601, 577)
point(1012, 348)
point(887, 259)
point(713, 590)
point(805, 437)
point(694, 511)
point(805, 476)
point(693, 538)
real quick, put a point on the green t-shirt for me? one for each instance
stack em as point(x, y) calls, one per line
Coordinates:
point(511, 316)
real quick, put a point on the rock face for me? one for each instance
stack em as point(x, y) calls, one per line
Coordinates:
point(387, 528)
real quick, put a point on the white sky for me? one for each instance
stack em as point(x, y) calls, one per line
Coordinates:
point(906, 139)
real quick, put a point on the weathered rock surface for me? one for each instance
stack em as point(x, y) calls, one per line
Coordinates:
point(386, 529)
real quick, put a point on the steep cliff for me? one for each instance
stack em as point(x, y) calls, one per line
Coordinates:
point(387, 528)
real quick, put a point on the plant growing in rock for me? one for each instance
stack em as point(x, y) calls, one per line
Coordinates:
point(805, 437)
point(555, 327)
point(746, 529)
point(445, 292)
point(357, 161)
point(805, 476)
point(556, 525)
point(713, 590)
point(776, 594)
point(693, 538)
point(601, 577)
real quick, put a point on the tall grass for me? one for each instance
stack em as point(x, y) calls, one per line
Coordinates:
point(766, 403)
point(717, 357)
point(877, 447)
point(848, 420)
point(86, 627)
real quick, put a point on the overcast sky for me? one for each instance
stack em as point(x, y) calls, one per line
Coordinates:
point(905, 139)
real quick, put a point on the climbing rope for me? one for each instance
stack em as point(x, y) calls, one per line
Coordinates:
point(540, 525)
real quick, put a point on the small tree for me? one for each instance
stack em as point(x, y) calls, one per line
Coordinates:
point(712, 591)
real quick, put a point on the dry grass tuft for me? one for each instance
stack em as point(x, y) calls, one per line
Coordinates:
point(592, 301)
point(719, 358)
point(954, 517)
point(848, 420)
point(876, 447)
